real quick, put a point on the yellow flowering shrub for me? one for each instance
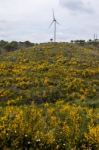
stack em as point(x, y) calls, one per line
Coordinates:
point(45, 97)
point(57, 126)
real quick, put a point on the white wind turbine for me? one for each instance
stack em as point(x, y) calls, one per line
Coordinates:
point(54, 22)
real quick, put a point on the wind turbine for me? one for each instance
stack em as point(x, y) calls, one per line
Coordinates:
point(54, 22)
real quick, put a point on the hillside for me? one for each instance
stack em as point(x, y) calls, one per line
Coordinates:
point(48, 73)
point(49, 98)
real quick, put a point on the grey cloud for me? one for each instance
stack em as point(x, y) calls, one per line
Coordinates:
point(2, 21)
point(77, 5)
point(31, 20)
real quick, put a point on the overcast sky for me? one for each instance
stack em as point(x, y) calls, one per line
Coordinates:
point(23, 20)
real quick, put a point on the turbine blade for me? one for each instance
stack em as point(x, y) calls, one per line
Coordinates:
point(57, 22)
point(53, 14)
point(51, 24)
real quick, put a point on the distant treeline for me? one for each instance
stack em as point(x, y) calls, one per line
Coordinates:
point(14, 45)
point(82, 42)
point(6, 46)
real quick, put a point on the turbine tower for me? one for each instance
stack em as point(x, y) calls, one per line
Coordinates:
point(54, 22)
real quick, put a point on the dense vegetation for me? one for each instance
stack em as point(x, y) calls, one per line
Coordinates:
point(49, 97)
point(14, 45)
point(51, 127)
point(47, 73)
